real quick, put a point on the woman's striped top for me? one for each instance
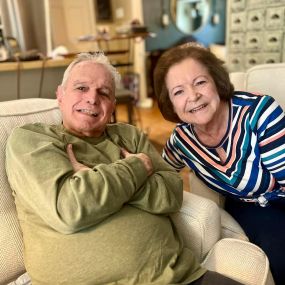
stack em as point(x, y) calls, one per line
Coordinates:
point(254, 168)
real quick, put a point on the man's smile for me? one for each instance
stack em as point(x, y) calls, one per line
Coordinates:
point(88, 112)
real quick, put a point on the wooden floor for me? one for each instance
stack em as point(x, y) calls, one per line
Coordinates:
point(150, 121)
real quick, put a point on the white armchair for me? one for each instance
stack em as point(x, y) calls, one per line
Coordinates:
point(199, 220)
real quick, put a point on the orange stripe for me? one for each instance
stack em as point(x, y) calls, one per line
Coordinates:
point(170, 155)
point(212, 162)
point(199, 151)
point(272, 138)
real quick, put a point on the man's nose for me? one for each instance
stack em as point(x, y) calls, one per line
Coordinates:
point(92, 97)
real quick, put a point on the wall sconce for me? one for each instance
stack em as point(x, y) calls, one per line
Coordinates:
point(215, 19)
point(164, 14)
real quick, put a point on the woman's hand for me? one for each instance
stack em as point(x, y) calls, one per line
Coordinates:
point(75, 164)
point(143, 157)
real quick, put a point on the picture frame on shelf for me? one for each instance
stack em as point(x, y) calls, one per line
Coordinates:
point(103, 11)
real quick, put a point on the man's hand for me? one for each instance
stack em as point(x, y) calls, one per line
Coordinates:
point(143, 157)
point(75, 164)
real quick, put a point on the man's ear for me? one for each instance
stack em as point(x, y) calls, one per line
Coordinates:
point(114, 105)
point(59, 93)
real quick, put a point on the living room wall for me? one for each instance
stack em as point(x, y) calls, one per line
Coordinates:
point(169, 35)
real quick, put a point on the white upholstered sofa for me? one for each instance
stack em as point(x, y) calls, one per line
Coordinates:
point(224, 250)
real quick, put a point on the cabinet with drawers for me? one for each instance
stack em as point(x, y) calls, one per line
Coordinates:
point(255, 33)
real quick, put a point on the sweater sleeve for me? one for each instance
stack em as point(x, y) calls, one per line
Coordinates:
point(162, 192)
point(171, 154)
point(271, 137)
point(43, 180)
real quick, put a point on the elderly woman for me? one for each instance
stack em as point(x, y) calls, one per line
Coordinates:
point(233, 140)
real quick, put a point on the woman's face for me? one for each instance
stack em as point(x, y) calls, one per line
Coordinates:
point(192, 92)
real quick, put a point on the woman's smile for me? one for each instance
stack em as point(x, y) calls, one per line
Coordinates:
point(197, 109)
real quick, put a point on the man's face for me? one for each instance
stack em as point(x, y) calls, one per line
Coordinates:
point(87, 101)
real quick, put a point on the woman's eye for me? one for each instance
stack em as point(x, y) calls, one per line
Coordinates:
point(201, 82)
point(178, 92)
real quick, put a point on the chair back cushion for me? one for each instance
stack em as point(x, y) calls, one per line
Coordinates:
point(12, 114)
point(238, 80)
point(267, 79)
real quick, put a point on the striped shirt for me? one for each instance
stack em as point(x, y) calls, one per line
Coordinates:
point(254, 168)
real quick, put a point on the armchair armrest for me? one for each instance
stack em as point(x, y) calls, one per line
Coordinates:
point(199, 223)
point(239, 260)
point(201, 189)
point(230, 227)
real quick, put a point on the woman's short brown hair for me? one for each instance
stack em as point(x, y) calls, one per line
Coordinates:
point(214, 65)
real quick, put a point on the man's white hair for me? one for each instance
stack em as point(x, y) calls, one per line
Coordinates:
point(97, 57)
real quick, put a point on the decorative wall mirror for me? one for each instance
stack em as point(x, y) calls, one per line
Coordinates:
point(189, 15)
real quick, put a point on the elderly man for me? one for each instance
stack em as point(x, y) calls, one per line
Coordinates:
point(94, 198)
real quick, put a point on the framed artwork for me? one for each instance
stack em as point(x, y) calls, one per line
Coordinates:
point(103, 11)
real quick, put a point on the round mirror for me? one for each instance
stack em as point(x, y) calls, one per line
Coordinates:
point(189, 15)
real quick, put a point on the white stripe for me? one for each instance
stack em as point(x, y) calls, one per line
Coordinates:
point(257, 184)
point(272, 152)
point(267, 113)
point(248, 168)
point(257, 109)
point(279, 169)
point(273, 160)
point(246, 96)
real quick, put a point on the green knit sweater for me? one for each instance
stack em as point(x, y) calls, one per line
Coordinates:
point(106, 225)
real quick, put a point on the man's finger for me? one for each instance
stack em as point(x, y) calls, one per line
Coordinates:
point(124, 152)
point(70, 153)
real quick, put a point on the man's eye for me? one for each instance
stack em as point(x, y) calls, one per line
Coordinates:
point(104, 93)
point(81, 88)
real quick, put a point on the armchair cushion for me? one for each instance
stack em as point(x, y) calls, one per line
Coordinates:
point(263, 78)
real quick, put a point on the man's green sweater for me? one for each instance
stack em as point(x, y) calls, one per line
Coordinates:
point(106, 225)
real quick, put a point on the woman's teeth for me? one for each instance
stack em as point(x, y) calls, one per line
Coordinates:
point(198, 108)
